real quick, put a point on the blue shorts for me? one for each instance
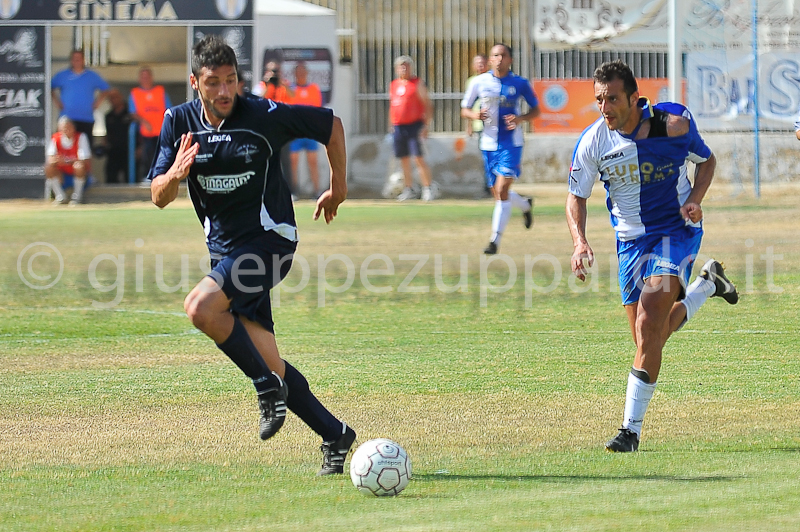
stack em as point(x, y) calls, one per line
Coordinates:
point(248, 274)
point(303, 144)
point(407, 141)
point(651, 255)
point(506, 162)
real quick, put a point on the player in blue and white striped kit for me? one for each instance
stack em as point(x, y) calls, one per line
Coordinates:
point(501, 93)
point(640, 152)
point(227, 148)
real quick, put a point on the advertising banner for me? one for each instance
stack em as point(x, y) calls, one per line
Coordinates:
point(705, 24)
point(720, 90)
point(22, 105)
point(569, 106)
point(240, 38)
point(124, 11)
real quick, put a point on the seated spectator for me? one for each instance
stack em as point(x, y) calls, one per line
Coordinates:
point(68, 162)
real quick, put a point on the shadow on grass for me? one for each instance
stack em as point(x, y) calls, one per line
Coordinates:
point(571, 478)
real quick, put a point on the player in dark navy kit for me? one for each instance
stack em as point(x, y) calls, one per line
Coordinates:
point(227, 148)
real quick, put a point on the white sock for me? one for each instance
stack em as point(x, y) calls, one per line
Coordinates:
point(77, 191)
point(500, 218)
point(637, 397)
point(696, 294)
point(54, 184)
point(518, 202)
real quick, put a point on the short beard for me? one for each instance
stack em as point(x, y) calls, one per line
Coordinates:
point(209, 107)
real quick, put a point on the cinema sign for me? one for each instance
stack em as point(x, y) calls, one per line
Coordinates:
point(127, 11)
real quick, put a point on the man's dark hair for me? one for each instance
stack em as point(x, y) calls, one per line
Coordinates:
point(617, 69)
point(507, 47)
point(212, 52)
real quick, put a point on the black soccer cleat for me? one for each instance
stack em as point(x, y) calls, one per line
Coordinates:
point(714, 271)
point(527, 216)
point(626, 441)
point(491, 249)
point(272, 404)
point(334, 453)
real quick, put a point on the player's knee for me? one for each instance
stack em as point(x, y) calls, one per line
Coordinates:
point(197, 310)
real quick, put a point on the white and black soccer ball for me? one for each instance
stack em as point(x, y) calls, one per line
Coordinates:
point(393, 186)
point(380, 467)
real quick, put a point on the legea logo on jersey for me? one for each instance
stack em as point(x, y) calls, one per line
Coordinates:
point(219, 138)
point(223, 184)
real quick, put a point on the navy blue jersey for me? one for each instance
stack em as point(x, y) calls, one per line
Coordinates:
point(236, 183)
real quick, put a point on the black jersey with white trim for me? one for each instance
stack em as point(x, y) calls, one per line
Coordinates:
point(236, 183)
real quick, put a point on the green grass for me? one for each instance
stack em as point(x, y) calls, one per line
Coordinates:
point(126, 418)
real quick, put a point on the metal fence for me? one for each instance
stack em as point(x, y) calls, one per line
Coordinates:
point(442, 36)
point(580, 64)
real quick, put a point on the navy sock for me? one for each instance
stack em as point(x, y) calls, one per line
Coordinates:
point(308, 408)
point(240, 348)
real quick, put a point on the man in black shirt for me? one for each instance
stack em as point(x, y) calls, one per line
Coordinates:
point(228, 150)
point(118, 121)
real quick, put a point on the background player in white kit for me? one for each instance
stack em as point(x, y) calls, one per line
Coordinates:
point(640, 152)
point(501, 93)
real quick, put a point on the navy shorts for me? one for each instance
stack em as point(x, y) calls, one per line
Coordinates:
point(407, 141)
point(248, 274)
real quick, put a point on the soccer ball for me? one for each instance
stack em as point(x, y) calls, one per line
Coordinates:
point(380, 467)
point(393, 186)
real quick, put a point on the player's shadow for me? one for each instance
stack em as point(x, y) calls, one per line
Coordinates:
point(439, 477)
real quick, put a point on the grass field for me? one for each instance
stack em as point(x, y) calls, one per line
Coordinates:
point(116, 415)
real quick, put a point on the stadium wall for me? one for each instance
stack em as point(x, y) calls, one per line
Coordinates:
point(547, 159)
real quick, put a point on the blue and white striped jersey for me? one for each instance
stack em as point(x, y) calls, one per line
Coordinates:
point(501, 96)
point(236, 183)
point(646, 180)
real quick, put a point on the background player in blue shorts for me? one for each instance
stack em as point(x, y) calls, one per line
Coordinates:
point(227, 148)
point(640, 152)
point(500, 93)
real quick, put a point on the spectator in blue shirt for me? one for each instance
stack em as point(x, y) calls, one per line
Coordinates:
point(77, 92)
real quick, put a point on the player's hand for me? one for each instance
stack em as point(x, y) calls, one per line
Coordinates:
point(582, 256)
point(511, 122)
point(328, 206)
point(692, 212)
point(185, 157)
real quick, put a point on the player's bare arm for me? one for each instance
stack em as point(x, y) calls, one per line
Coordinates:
point(677, 126)
point(164, 188)
point(576, 220)
point(513, 120)
point(328, 203)
point(467, 112)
